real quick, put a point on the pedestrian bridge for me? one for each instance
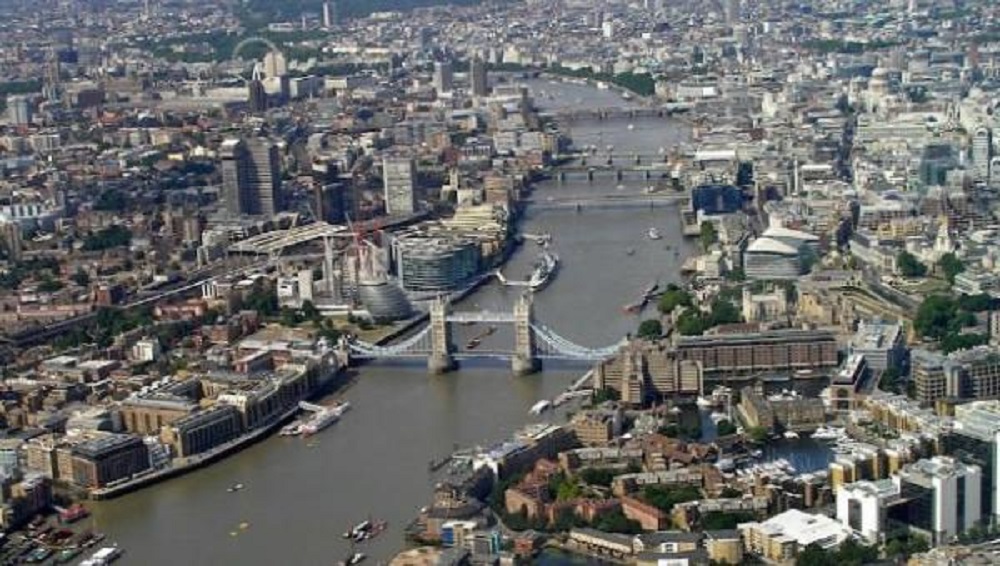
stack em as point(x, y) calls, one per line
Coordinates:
point(533, 341)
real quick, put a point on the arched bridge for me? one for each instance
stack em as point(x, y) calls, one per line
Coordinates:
point(533, 341)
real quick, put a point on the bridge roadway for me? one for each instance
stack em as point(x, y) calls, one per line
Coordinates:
point(617, 112)
point(465, 317)
point(611, 201)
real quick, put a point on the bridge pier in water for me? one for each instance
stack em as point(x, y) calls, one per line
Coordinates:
point(440, 360)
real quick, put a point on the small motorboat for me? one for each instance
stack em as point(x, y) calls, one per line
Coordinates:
point(235, 487)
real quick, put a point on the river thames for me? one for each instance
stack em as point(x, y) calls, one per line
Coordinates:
point(300, 496)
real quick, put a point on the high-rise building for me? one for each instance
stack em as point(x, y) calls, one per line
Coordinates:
point(982, 153)
point(256, 94)
point(942, 495)
point(966, 374)
point(732, 11)
point(251, 177)
point(329, 14)
point(275, 64)
point(478, 80)
point(399, 177)
point(974, 438)
point(443, 77)
point(10, 239)
point(19, 110)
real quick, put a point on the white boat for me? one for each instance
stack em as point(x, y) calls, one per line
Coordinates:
point(791, 434)
point(653, 234)
point(719, 417)
point(824, 433)
point(631, 126)
point(540, 407)
point(360, 528)
point(103, 557)
point(324, 418)
point(235, 487)
point(293, 429)
point(544, 270)
point(704, 402)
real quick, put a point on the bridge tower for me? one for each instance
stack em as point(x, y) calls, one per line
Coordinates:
point(440, 360)
point(524, 360)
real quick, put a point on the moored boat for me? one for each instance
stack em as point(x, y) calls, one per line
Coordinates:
point(103, 557)
point(324, 418)
point(540, 407)
point(544, 270)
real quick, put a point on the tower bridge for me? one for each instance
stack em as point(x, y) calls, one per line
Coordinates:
point(533, 341)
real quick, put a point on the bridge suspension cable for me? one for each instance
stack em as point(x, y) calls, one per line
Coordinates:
point(565, 348)
point(416, 345)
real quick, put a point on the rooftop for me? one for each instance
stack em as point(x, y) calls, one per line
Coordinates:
point(764, 245)
point(782, 232)
point(806, 528)
point(938, 467)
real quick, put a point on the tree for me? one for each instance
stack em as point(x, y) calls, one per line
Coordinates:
point(891, 381)
point(664, 498)
point(290, 317)
point(717, 520)
point(736, 275)
point(650, 329)
point(909, 266)
point(616, 522)
point(81, 278)
point(105, 238)
point(757, 434)
point(262, 300)
point(690, 323)
point(950, 266)
point(309, 310)
point(49, 284)
point(725, 428)
point(724, 312)
point(597, 476)
point(673, 298)
point(708, 235)
point(906, 546)
point(814, 555)
point(936, 316)
point(954, 342)
point(976, 303)
point(602, 395)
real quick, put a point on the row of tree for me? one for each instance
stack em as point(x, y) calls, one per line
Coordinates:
point(909, 266)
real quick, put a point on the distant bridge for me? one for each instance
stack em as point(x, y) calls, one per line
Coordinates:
point(650, 200)
point(533, 341)
point(613, 113)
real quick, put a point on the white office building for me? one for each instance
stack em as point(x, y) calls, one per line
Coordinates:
point(942, 497)
point(982, 153)
point(861, 506)
point(19, 110)
point(399, 178)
